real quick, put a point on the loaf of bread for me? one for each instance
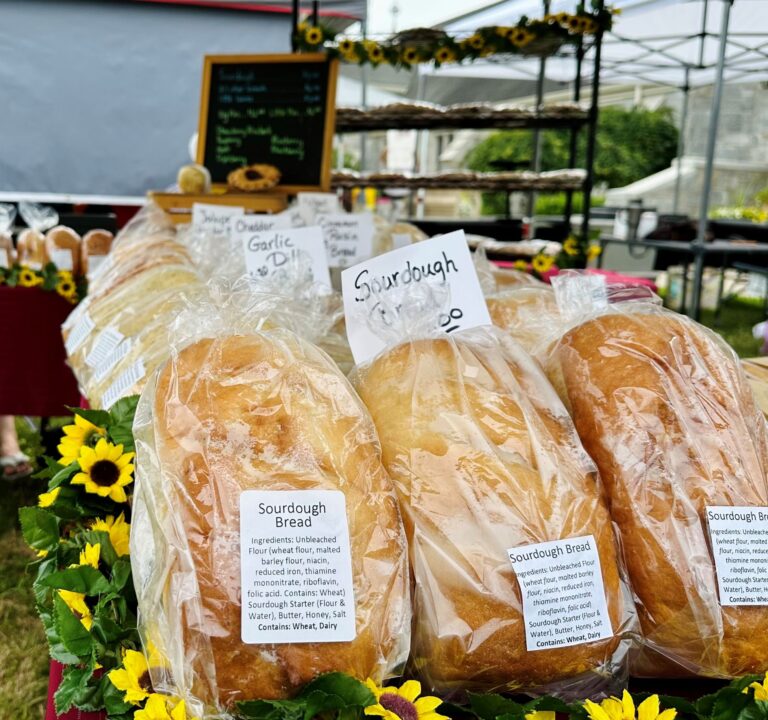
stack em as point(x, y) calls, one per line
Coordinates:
point(529, 313)
point(7, 251)
point(507, 278)
point(62, 244)
point(30, 248)
point(267, 411)
point(485, 458)
point(94, 250)
point(663, 407)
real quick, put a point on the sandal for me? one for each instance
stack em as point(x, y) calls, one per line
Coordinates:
point(15, 467)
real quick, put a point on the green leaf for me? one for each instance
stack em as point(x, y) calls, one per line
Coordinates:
point(39, 527)
point(729, 704)
point(121, 574)
point(63, 475)
point(123, 410)
point(271, 709)
point(82, 579)
point(100, 418)
point(113, 700)
point(73, 681)
point(50, 469)
point(491, 706)
point(55, 646)
point(91, 697)
point(335, 691)
point(547, 702)
point(683, 706)
point(74, 637)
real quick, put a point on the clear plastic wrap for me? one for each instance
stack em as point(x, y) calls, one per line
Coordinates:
point(485, 458)
point(243, 409)
point(529, 313)
point(663, 406)
point(7, 251)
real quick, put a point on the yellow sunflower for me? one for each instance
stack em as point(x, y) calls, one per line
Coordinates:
point(589, 26)
point(106, 470)
point(47, 499)
point(403, 703)
point(521, 37)
point(162, 707)
point(118, 530)
point(66, 285)
point(571, 246)
point(90, 555)
point(82, 433)
point(543, 263)
point(761, 689)
point(375, 52)
point(76, 603)
point(28, 277)
point(313, 36)
point(594, 251)
point(614, 709)
point(520, 265)
point(445, 55)
point(346, 46)
point(133, 678)
point(410, 55)
point(476, 42)
point(563, 18)
point(541, 715)
point(576, 24)
point(503, 31)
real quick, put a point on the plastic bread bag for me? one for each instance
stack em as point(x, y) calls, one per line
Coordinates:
point(7, 251)
point(487, 466)
point(30, 244)
point(236, 411)
point(95, 251)
point(663, 406)
point(494, 279)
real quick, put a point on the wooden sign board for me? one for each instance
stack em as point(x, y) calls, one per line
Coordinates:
point(272, 109)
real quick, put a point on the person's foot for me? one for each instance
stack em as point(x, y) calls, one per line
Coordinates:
point(13, 467)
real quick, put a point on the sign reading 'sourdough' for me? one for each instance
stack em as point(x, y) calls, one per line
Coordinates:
point(271, 110)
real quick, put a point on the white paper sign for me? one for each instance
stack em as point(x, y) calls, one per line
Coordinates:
point(400, 240)
point(4, 262)
point(271, 252)
point(295, 565)
point(293, 216)
point(62, 259)
point(214, 219)
point(311, 204)
point(563, 595)
point(740, 546)
point(124, 382)
point(348, 237)
point(258, 223)
point(79, 333)
point(106, 342)
point(110, 361)
point(444, 261)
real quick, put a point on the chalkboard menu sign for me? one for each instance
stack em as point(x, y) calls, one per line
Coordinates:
point(271, 109)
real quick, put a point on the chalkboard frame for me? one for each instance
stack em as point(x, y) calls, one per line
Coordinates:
point(330, 109)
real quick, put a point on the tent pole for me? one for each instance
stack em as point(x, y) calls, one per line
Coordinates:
point(592, 131)
point(714, 118)
point(295, 28)
point(364, 96)
point(681, 141)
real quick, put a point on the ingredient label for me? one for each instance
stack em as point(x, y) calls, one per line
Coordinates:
point(214, 219)
point(110, 361)
point(79, 334)
point(105, 343)
point(124, 382)
point(62, 259)
point(348, 238)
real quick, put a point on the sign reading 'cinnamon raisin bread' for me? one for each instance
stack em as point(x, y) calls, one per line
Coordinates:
point(296, 568)
point(272, 110)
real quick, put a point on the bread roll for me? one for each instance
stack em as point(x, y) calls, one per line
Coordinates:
point(664, 409)
point(267, 412)
point(509, 278)
point(62, 245)
point(7, 252)
point(528, 312)
point(484, 458)
point(95, 248)
point(30, 248)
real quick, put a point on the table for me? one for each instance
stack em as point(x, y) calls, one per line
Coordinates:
point(34, 377)
point(725, 248)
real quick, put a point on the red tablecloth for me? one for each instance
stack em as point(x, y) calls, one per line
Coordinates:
point(34, 379)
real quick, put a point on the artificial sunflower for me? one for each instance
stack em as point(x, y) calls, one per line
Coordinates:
point(761, 689)
point(313, 36)
point(403, 703)
point(521, 37)
point(82, 433)
point(45, 500)
point(29, 278)
point(157, 708)
point(133, 677)
point(576, 24)
point(75, 601)
point(445, 55)
point(589, 26)
point(409, 55)
point(541, 715)
point(476, 41)
point(562, 18)
point(520, 265)
point(118, 530)
point(346, 46)
point(543, 263)
point(503, 31)
point(106, 470)
point(89, 556)
point(571, 246)
point(375, 52)
point(594, 251)
point(614, 709)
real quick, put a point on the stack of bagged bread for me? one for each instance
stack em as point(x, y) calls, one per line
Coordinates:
point(63, 247)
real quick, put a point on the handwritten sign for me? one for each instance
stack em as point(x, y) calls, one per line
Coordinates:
point(312, 204)
point(373, 290)
point(248, 224)
point(348, 238)
point(271, 109)
point(214, 219)
point(271, 252)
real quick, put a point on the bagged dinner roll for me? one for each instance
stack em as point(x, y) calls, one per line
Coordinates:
point(94, 251)
point(486, 460)
point(62, 245)
point(31, 250)
point(662, 405)
point(529, 313)
point(262, 411)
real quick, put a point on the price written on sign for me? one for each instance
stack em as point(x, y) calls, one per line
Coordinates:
point(348, 238)
point(372, 292)
point(271, 252)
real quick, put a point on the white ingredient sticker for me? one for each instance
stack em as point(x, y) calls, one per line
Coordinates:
point(312, 204)
point(4, 262)
point(400, 240)
point(110, 361)
point(740, 546)
point(62, 259)
point(371, 288)
point(106, 342)
point(296, 567)
point(563, 595)
point(348, 237)
point(79, 334)
point(96, 265)
point(274, 251)
point(124, 382)
point(214, 219)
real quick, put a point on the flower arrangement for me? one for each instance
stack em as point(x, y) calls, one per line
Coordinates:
point(83, 587)
point(50, 278)
point(574, 254)
point(528, 37)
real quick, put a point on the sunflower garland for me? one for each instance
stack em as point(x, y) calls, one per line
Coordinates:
point(50, 278)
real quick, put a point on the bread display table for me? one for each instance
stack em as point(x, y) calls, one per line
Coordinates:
point(34, 378)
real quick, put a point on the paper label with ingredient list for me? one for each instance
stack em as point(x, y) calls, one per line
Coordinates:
point(348, 237)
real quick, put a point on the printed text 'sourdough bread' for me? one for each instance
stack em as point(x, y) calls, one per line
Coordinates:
point(484, 458)
point(267, 412)
point(665, 411)
point(529, 313)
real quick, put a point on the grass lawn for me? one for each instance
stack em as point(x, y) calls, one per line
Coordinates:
point(737, 318)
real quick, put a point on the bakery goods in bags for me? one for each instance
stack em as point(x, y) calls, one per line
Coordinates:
point(485, 458)
point(95, 249)
point(30, 249)
point(62, 245)
point(663, 407)
point(529, 313)
point(267, 411)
